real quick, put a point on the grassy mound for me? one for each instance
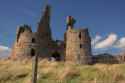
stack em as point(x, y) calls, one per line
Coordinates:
point(59, 72)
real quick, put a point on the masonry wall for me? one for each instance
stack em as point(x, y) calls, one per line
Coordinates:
point(25, 44)
point(78, 46)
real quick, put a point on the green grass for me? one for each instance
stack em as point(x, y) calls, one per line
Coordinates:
point(54, 72)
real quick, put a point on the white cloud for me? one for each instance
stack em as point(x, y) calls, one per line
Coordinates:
point(120, 43)
point(3, 48)
point(4, 51)
point(106, 43)
point(96, 39)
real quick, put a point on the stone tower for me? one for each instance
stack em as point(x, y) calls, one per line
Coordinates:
point(25, 44)
point(78, 44)
point(44, 33)
point(44, 24)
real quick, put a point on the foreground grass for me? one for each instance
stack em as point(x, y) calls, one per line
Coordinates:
point(54, 72)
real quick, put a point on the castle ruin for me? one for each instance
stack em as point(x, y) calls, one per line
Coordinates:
point(76, 46)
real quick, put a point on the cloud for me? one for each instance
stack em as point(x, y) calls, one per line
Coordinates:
point(106, 43)
point(120, 43)
point(4, 51)
point(96, 39)
point(3, 48)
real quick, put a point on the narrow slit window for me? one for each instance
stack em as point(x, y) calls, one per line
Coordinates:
point(80, 35)
point(80, 45)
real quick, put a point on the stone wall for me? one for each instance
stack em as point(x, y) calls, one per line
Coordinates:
point(25, 43)
point(78, 45)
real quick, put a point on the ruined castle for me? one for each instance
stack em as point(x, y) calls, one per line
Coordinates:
point(76, 46)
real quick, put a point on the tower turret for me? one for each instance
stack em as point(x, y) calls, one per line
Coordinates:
point(25, 44)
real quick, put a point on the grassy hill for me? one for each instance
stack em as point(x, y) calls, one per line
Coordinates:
point(54, 72)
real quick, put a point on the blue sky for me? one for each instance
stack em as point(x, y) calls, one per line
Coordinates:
point(100, 16)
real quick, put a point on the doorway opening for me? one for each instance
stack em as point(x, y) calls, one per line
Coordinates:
point(56, 56)
point(33, 40)
point(32, 52)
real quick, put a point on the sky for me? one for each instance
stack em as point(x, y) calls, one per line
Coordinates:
point(104, 18)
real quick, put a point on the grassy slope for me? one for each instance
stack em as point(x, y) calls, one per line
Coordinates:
point(20, 72)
